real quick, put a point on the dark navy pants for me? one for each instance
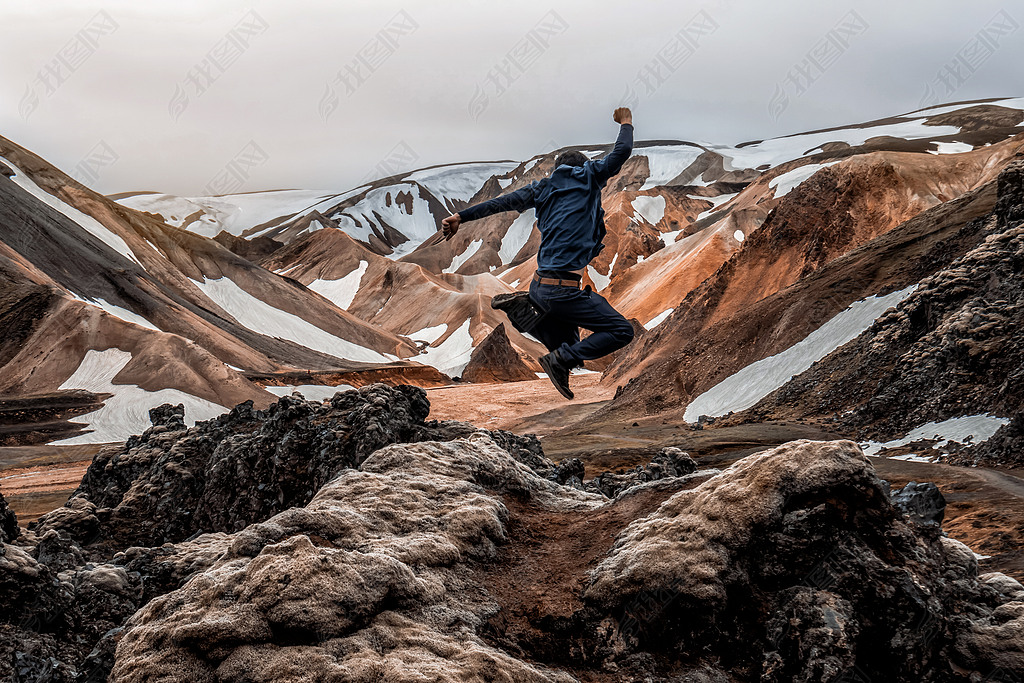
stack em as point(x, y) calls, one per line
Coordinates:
point(567, 309)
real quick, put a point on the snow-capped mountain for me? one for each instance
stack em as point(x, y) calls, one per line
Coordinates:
point(217, 296)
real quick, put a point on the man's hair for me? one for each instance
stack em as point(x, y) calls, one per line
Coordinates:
point(571, 158)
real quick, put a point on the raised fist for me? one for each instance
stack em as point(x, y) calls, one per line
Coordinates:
point(450, 226)
point(623, 115)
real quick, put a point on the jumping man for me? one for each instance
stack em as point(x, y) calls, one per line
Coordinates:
point(571, 223)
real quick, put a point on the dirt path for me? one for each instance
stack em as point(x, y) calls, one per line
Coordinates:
point(540, 577)
point(37, 479)
point(533, 406)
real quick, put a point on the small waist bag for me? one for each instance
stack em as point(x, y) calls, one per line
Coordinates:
point(522, 311)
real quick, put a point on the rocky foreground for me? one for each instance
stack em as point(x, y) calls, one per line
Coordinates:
point(352, 540)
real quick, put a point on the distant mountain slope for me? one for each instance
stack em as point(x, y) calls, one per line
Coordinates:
point(704, 241)
point(86, 281)
point(952, 348)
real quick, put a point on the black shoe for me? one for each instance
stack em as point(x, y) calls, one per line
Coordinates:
point(557, 373)
point(522, 312)
point(502, 301)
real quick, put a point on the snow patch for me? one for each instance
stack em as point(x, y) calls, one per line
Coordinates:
point(429, 334)
point(452, 355)
point(790, 179)
point(715, 203)
point(665, 162)
point(600, 281)
point(757, 380)
point(458, 260)
point(966, 429)
point(127, 411)
point(780, 150)
point(652, 209)
point(739, 236)
point(263, 318)
point(119, 312)
point(517, 235)
point(343, 290)
point(658, 319)
point(84, 220)
point(952, 147)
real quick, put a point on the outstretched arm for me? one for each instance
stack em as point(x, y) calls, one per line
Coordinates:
point(607, 166)
point(522, 199)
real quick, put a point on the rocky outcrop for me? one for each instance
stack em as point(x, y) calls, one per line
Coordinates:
point(8, 523)
point(367, 581)
point(796, 553)
point(799, 554)
point(495, 360)
point(409, 560)
point(52, 617)
point(240, 468)
point(669, 462)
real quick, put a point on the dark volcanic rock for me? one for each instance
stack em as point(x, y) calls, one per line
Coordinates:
point(570, 472)
point(240, 468)
point(8, 522)
point(168, 416)
point(669, 462)
point(922, 503)
point(52, 620)
point(816, 575)
point(495, 360)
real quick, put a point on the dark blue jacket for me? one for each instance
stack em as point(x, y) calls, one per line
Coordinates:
point(568, 203)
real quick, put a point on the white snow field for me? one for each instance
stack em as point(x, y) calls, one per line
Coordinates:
point(85, 221)
point(261, 317)
point(233, 213)
point(127, 411)
point(787, 181)
point(343, 290)
point(450, 356)
point(968, 428)
point(665, 162)
point(459, 259)
point(757, 380)
point(658, 319)
point(517, 235)
point(459, 181)
point(650, 209)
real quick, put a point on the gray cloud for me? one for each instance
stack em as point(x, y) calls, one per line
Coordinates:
point(566, 75)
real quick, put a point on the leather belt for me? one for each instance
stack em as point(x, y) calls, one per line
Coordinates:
point(556, 281)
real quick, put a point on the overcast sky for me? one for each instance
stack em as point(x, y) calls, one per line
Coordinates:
point(187, 95)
